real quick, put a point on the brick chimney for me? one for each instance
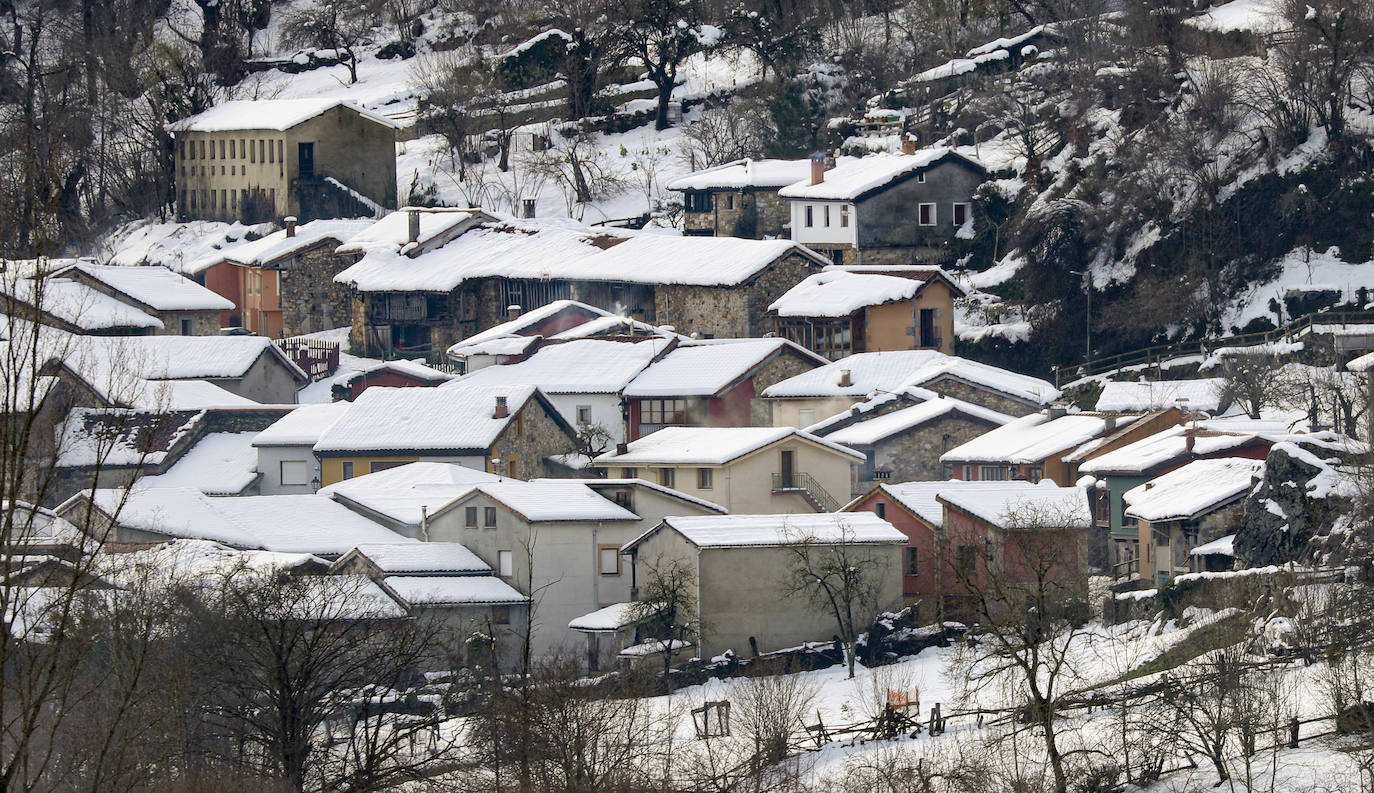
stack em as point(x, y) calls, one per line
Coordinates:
point(1189, 440)
point(512, 312)
point(817, 168)
point(846, 379)
point(908, 144)
point(622, 448)
point(501, 410)
point(290, 222)
point(413, 227)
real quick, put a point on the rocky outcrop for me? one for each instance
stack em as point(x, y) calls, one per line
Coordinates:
point(1298, 498)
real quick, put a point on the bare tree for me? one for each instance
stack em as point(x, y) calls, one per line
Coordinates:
point(1249, 378)
point(1333, 42)
point(667, 605)
point(580, 168)
point(341, 25)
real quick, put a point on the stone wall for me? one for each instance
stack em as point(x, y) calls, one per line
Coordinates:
point(203, 323)
point(540, 437)
point(310, 299)
point(914, 455)
point(787, 364)
point(991, 400)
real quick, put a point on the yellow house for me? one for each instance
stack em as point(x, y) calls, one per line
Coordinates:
point(752, 470)
point(507, 430)
point(259, 160)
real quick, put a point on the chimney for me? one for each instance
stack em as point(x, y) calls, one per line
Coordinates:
point(290, 223)
point(817, 168)
point(1109, 424)
point(501, 410)
point(846, 380)
point(622, 448)
point(1056, 412)
point(1189, 440)
point(908, 144)
point(512, 312)
point(414, 225)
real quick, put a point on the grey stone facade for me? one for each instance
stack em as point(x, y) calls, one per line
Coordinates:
point(310, 299)
point(914, 455)
point(749, 213)
point(992, 400)
point(537, 436)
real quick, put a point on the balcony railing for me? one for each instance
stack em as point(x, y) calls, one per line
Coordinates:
point(805, 485)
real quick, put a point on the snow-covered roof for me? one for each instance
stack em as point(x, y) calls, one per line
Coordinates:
point(80, 305)
point(1193, 490)
point(391, 233)
point(741, 174)
point(585, 366)
point(172, 357)
point(528, 321)
point(421, 557)
point(431, 419)
point(1011, 506)
point(552, 249)
point(273, 114)
point(458, 590)
point(609, 619)
point(277, 245)
point(597, 484)
point(839, 293)
point(1031, 439)
point(708, 445)
point(416, 370)
point(729, 531)
point(1170, 444)
point(898, 369)
point(220, 464)
point(614, 326)
point(876, 430)
point(1361, 364)
point(852, 178)
point(549, 500)
point(1221, 546)
point(922, 498)
point(291, 524)
point(401, 493)
point(302, 426)
point(1200, 394)
point(156, 287)
point(707, 368)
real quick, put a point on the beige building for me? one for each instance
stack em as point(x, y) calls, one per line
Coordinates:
point(750, 470)
point(260, 160)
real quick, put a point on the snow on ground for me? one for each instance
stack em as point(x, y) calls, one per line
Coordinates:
point(1252, 15)
point(1303, 270)
point(173, 244)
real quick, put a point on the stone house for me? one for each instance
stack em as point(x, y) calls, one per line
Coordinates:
point(1188, 509)
point(416, 292)
point(910, 208)
point(914, 509)
point(742, 565)
point(252, 161)
point(843, 311)
point(903, 434)
point(183, 307)
point(711, 384)
point(1019, 536)
point(807, 398)
point(739, 198)
point(510, 431)
point(283, 284)
point(73, 307)
point(771, 470)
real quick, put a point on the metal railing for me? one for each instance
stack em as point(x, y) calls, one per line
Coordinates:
point(805, 484)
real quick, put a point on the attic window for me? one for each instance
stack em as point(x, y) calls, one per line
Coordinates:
point(921, 177)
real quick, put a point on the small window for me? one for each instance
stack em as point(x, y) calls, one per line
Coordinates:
point(232, 154)
point(921, 177)
point(826, 215)
point(584, 414)
point(505, 563)
point(992, 473)
point(966, 558)
point(519, 426)
point(188, 328)
point(926, 214)
point(806, 417)
point(667, 477)
point(243, 148)
point(513, 467)
point(470, 517)
point(271, 152)
point(729, 200)
point(629, 473)
point(960, 214)
point(913, 560)
point(202, 150)
point(704, 476)
point(295, 472)
point(880, 509)
point(624, 498)
point(609, 556)
point(252, 152)
point(844, 216)
point(810, 216)
point(348, 469)
point(500, 615)
point(489, 517)
point(181, 149)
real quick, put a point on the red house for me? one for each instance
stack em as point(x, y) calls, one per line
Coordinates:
point(712, 383)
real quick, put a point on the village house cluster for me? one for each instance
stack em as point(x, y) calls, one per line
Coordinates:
point(531, 417)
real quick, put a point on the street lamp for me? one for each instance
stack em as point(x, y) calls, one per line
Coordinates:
point(1088, 317)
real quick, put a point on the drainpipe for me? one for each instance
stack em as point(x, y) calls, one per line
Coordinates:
point(424, 522)
point(596, 564)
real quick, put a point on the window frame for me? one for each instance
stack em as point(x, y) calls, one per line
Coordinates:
point(926, 216)
point(469, 517)
point(668, 477)
point(601, 560)
point(911, 560)
point(281, 471)
point(505, 564)
point(705, 478)
point(488, 517)
point(999, 473)
point(346, 469)
point(957, 208)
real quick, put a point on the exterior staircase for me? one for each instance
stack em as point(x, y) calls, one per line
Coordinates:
point(806, 486)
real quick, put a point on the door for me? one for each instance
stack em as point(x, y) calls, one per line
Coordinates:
point(928, 338)
point(788, 468)
point(305, 159)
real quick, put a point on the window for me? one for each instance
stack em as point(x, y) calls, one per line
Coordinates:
point(810, 216)
point(992, 473)
point(505, 563)
point(1036, 473)
point(519, 426)
point(348, 469)
point(470, 517)
point(806, 417)
point(697, 201)
point(826, 215)
point(667, 477)
point(500, 615)
point(512, 466)
point(212, 150)
point(844, 216)
point(624, 498)
point(629, 473)
point(960, 214)
point(584, 414)
point(214, 200)
point(232, 154)
point(489, 517)
point(202, 150)
point(921, 177)
point(608, 559)
point(262, 154)
point(704, 476)
point(295, 472)
point(913, 559)
point(663, 411)
point(729, 200)
point(280, 156)
point(271, 152)
point(243, 151)
point(252, 152)
point(181, 149)
point(880, 509)
point(188, 328)
point(925, 214)
point(966, 558)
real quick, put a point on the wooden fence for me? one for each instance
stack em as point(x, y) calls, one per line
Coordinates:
point(318, 359)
